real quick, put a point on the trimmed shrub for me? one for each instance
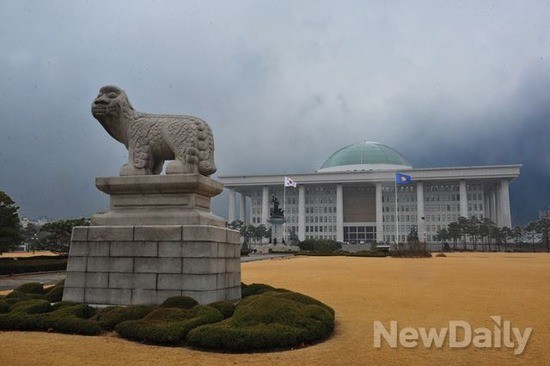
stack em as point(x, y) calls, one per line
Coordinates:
point(31, 288)
point(441, 255)
point(319, 245)
point(369, 253)
point(22, 296)
point(110, 316)
point(73, 319)
point(271, 320)
point(254, 289)
point(36, 306)
point(181, 302)
point(227, 308)
point(4, 307)
point(168, 325)
point(81, 311)
point(69, 325)
point(32, 264)
point(55, 293)
point(35, 315)
point(63, 304)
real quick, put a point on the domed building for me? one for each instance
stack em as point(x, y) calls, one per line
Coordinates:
point(352, 197)
point(365, 156)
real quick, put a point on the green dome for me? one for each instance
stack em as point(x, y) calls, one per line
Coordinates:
point(365, 156)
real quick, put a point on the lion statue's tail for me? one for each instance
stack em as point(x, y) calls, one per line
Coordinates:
point(206, 164)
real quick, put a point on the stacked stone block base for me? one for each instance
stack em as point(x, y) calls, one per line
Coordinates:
point(140, 265)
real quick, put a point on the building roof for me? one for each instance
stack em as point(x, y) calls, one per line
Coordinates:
point(365, 156)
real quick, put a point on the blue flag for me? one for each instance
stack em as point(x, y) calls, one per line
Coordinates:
point(402, 178)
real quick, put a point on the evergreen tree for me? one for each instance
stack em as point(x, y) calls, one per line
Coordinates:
point(10, 225)
point(58, 234)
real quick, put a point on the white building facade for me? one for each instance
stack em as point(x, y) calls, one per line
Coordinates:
point(352, 197)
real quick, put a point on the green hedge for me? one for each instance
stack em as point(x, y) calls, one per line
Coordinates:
point(268, 321)
point(265, 319)
point(55, 294)
point(35, 306)
point(319, 245)
point(168, 325)
point(4, 307)
point(227, 308)
point(16, 296)
point(182, 302)
point(111, 316)
point(31, 288)
point(32, 264)
point(38, 315)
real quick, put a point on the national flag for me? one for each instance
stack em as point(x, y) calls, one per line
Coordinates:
point(402, 178)
point(290, 183)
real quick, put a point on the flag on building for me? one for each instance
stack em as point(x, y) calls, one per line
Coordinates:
point(290, 183)
point(402, 178)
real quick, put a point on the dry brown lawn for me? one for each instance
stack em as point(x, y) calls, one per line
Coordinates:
point(27, 254)
point(415, 292)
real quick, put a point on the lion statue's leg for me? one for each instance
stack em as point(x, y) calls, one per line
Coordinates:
point(139, 160)
point(179, 167)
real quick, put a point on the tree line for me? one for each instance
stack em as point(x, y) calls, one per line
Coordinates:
point(484, 234)
point(54, 236)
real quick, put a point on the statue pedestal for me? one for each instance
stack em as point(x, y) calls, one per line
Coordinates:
point(158, 240)
point(277, 228)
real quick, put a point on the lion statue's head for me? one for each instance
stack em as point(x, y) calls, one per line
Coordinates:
point(113, 110)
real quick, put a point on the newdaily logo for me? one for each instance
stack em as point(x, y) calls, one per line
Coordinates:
point(459, 334)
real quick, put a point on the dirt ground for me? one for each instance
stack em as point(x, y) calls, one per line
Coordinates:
point(26, 254)
point(414, 292)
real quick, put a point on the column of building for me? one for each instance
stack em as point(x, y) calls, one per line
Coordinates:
point(504, 216)
point(463, 198)
point(301, 212)
point(242, 209)
point(493, 205)
point(231, 215)
point(265, 205)
point(421, 217)
point(379, 214)
point(339, 212)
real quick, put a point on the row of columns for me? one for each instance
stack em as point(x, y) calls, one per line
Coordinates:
point(242, 207)
point(497, 204)
point(497, 207)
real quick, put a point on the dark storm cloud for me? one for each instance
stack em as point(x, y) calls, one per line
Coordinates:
point(283, 85)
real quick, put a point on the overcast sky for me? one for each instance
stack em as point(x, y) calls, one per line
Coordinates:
point(283, 85)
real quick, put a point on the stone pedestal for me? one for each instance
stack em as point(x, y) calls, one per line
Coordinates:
point(158, 240)
point(277, 228)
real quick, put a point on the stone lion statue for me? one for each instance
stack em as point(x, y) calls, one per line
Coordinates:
point(153, 138)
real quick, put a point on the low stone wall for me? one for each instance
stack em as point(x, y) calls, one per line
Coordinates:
point(133, 265)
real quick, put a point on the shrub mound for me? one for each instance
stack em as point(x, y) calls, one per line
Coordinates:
point(182, 302)
point(4, 307)
point(271, 320)
point(319, 245)
point(111, 316)
point(168, 325)
point(265, 319)
point(39, 315)
point(227, 308)
point(31, 288)
point(441, 255)
point(32, 264)
point(254, 289)
point(55, 293)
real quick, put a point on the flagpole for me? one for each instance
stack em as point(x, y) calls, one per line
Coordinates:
point(396, 213)
point(284, 211)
